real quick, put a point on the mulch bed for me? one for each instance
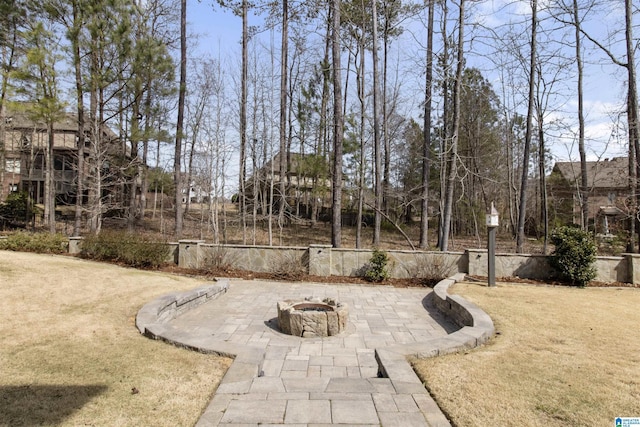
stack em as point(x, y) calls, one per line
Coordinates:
point(395, 282)
point(251, 275)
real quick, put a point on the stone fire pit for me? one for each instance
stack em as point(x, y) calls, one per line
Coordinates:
point(312, 317)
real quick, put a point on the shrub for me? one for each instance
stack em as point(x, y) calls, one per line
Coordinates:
point(431, 269)
point(218, 258)
point(376, 269)
point(288, 266)
point(15, 209)
point(574, 255)
point(126, 248)
point(44, 243)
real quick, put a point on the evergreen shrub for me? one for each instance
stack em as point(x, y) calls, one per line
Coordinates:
point(574, 255)
point(44, 243)
point(376, 269)
point(15, 209)
point(126, 248)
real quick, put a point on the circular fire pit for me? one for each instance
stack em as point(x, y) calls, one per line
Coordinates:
point(312, 317)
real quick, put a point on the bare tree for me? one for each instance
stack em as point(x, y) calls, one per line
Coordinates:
point(357, 22)
point(453, 147)
point(377, 149)
point(572, 9)
point(584, 187)
point(242, 201)
point(522, 207)
point(628, 63)
point(338, 121)
point(177, 161)
point(426, 131)
point(283, 111)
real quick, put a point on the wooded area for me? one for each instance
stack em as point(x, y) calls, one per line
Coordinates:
point(367, 113)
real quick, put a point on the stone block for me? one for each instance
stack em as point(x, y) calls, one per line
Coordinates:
point(297, 327)
point(314, 324)
point(345, 412)
point(253, 412)
point(308, 411)
point(320, 260)
point(333, 327)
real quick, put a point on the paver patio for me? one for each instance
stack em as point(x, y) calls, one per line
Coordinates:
point(277, 379)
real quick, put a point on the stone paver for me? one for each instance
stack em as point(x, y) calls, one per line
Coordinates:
point(278, 379)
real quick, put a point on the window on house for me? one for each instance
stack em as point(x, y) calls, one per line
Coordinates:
point(57, 163)
point(612, 198)
point(12, 166)
point(25, 142)
point(38, 162)
point(13, 188)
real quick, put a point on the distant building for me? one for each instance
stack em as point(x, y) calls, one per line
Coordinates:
point(307, 181)
point(608, 183)
point(23, 141)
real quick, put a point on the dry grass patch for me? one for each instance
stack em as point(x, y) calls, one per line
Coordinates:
point(564, 357)
point(71, 355)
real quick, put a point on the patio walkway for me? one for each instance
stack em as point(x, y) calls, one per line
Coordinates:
point(277, 379)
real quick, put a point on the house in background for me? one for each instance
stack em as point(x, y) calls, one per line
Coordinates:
point(307, 182)
point(608, 183)
point(24, 142)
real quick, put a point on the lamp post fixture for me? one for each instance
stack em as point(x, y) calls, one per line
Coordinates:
point(492, 225)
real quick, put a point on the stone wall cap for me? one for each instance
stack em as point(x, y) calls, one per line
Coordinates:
point(212, 245)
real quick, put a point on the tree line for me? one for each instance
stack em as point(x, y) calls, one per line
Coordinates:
point(390, 111)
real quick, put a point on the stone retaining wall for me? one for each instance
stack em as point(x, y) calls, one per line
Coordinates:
point(152, 317)
point(324, 260)
point(462, 312)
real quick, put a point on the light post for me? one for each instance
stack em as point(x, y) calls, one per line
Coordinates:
point(492, 225)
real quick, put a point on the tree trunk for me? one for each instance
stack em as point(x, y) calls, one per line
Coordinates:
point(632, 112)
point(80, 137)
point(522, 208)
point(386, 142)
point(426, 133)
point(446, 127)
point(134, 137)
point(145, 154)
point(49, 181)
point(177, 161)
point(584, 184)
point(376, 132)
point(94, 133)
point(453, 149)
point(361, 166)
point(544, 209)
point(243, 121)
point(336, 221)
point(283, 112)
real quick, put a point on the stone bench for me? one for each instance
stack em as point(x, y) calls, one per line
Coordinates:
point(153, 316)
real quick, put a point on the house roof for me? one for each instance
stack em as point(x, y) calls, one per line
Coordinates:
point(607, 173)
point(22, 119)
